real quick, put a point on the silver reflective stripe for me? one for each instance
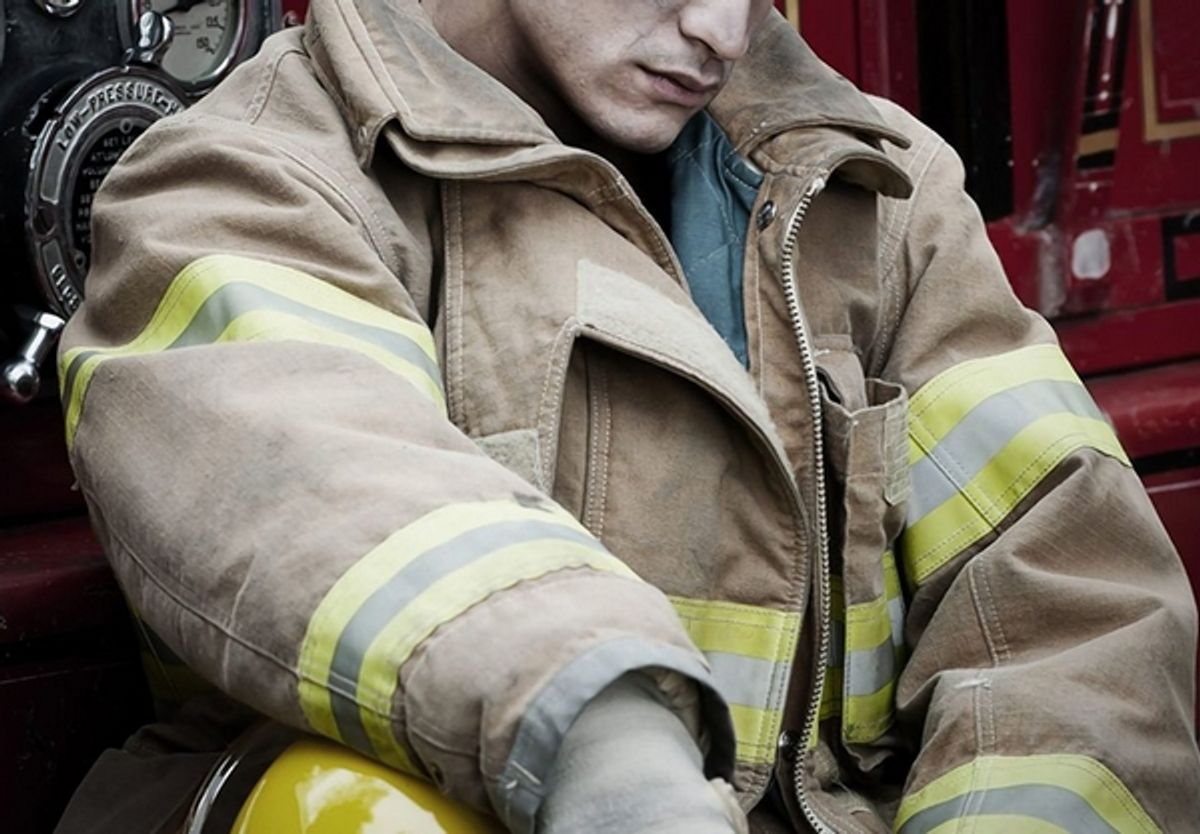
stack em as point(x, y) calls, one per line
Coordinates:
point(237, 298)
point(1057, 806)
point(983, 433)
point(896, 615)
point(746, 680)
point(378, 610)
point(519, 791)
point(871, 670)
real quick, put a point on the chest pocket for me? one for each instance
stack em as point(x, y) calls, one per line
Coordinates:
point(866, 442)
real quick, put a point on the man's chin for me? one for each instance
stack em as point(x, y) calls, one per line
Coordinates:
point(644, 136)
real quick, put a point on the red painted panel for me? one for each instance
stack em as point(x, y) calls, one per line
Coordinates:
point(1187, 258)
point(831, 28)
point(1044, 42)
point(1022, 255)
point(54, 579)
point(1154, 411)
point(33, 460)
point(1176, 60)
point(1156, 164)
point(887, 55)
point(1131, 339)
point(1133, 249)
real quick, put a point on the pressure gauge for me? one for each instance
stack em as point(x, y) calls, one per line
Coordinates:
point(208, 34)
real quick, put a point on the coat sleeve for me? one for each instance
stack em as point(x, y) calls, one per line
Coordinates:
point(1053, 631)
point(256, 417)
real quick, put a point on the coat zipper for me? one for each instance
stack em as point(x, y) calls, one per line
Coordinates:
point(804, 345)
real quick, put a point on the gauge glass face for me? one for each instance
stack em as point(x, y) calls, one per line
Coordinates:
point(206, 36)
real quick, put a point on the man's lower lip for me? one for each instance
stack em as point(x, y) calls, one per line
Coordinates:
point(673, 92)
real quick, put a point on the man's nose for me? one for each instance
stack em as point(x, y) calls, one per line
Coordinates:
point(724, 26)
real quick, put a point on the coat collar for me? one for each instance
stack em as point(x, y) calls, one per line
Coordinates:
point(386, 64)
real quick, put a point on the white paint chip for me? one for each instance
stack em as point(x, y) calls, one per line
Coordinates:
point(1091, 256)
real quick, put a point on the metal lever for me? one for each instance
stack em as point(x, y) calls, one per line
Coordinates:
point(154, 39)
point(22, 377)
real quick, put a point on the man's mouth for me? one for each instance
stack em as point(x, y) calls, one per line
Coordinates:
point(681, 88)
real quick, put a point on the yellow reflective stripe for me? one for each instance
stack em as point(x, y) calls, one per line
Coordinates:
point(1001, 824)
point(754, 744)
point(831, 696)
point(891, 576)
point(201, 280)
point(945, 400)
point(748, 630)
point(726, 631)
point(979, 507)
point(868, 630)
point(443, 598)
point(447, 599)
point(868, 625)
point(866, 717)
point(983, 785)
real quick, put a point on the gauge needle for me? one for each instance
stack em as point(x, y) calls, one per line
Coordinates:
point(180, 6)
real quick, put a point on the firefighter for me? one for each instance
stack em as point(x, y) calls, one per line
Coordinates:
point(591, 406)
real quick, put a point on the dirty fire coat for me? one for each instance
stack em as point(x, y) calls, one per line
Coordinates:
point(398, 424)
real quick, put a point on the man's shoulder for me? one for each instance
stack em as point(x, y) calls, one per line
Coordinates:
point(925, 143)
point(277, 91)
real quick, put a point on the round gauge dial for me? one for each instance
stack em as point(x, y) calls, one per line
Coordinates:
point(206, 39)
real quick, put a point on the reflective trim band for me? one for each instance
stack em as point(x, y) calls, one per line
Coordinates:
point(519, 791)
point(943, 402)
point(831, 696)
point(983, 433)
point(757, 733)
point(743, 680)
point(733, 628)
point(874, 658)
point(871, 669)
point(421, 577)
point(227, 298)
point(750, 651)
point(1075, 793)
point(982, 436)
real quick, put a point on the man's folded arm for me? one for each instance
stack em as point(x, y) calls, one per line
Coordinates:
point(1054, 633)
point(257, 420)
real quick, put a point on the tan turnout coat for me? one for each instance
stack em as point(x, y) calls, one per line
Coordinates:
point(398, 424)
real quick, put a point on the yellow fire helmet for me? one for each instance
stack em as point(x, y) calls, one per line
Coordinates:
point(317, 787)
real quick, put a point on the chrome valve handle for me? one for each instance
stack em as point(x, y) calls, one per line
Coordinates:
point(22, 376)
point(155, 31)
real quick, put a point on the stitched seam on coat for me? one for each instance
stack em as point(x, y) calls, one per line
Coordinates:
point(372, 228)
point(981, 615)
point(455, 256)
point(549, 406)
point(598, 453)
point(993, 612)
point(897, 295)
point(258, 101)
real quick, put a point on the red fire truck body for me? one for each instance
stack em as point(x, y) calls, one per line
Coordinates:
point(1079, 123)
